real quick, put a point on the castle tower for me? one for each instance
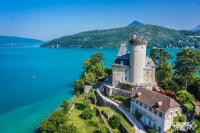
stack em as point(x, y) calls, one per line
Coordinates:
point(137, 59)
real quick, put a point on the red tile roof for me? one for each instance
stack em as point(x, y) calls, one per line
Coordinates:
point(151, 98)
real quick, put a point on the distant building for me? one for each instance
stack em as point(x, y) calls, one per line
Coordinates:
point(137, 70)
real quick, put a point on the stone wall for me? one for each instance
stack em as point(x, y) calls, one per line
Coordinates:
point(120, 74)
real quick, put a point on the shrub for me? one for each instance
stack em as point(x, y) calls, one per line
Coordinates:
point(94, 123)
point(138, 115)
point(87, 113)
point(98, 131)
point(114, 122)
point(151, 130)
point(67, 128)
point(184, 96)
point(66, 106)
point(120, 98)
point(182, 118)
point(78, 86)
point(197, 122)
point(126, 86)
point(55, 122)
point(80, 106)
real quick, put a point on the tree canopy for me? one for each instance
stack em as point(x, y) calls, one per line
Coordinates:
point(187, 65)
point(94, 71)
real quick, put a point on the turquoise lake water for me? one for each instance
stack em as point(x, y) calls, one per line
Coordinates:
point(34, 81)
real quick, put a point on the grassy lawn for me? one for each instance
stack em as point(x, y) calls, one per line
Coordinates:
point(85, 126)
point(122, 119)
point(95, 123)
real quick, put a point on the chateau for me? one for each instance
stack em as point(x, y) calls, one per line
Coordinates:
point(134, 69)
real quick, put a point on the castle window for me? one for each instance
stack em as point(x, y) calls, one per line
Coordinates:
point(145, 106)
point(137, 101)
point(176, 112)
point(160, 114)
point(159, 129)
point(154, 126)
point(149, 123)
point(125, 78)
point(150, 109)
point(140, 103)
point(125, 70)
point(121, 62)
point(155, 112)
point(171, 113)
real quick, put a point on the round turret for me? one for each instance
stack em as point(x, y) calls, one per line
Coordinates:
point(137, 59)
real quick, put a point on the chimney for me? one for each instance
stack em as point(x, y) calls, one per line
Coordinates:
point(159, 103)
point(138, 94)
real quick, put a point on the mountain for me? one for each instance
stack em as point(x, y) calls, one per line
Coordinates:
point(197, 28)
point(112, 38)
point(10, 40)
point(135, 23)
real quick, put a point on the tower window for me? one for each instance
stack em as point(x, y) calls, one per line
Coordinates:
point(149, 123)
point(121, 62)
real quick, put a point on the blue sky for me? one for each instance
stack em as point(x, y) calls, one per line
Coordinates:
point(48, 19)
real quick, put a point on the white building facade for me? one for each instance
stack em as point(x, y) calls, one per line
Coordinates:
point(158, 110)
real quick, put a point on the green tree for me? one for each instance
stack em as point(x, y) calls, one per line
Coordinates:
point(114, 122)
point(164, 73)
point(99, 71)
point(67, 127)
point(159, 55)
point(194, 88)
point(95, 59)
point(47, 127)
point(182, 118)
point(78, 85)
point(53, 123)
point(171, 85)
point(66, 106)
point(184, 96)
point(187, 65)
point(89, 78)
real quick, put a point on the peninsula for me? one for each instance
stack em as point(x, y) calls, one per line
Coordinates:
point(138, 94)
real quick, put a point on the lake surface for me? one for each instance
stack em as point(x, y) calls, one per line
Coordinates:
point(34, 82)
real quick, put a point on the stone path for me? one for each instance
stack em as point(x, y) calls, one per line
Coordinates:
point(137, 125)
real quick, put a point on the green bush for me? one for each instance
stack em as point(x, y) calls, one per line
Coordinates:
point(98, 131)
point(114, 122)
point(78, 86)
point(126, 86)
point(184, 96)
point(138, 115)
point(67, 128)
point(197, 122)
point(57, 122)
point(151, 130)
point(120, 98)
point(87, 113)
point(182, 118)
point(66, 106)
